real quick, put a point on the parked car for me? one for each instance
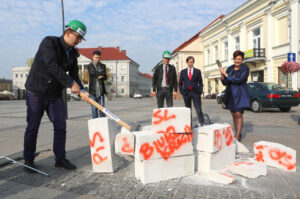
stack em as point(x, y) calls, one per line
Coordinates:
point(219, 96)
point(270, 95)
point(137, 96)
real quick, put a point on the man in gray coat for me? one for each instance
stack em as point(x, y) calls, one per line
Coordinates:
point(97, 73)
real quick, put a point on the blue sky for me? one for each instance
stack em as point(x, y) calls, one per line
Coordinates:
point(144, 28)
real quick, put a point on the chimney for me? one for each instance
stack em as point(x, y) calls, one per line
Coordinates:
point(118, 48)
point(100, 48)
point(123, 52)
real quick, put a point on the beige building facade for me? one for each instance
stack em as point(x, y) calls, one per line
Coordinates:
point(265, 30)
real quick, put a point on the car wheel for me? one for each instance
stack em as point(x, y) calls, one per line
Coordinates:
point(256, 106)
point(223, 105)
point(285, 109)
point(218, 100)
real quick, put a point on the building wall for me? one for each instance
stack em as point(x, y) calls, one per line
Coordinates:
point(277, 37)
point(19, 76)
point(124, 76)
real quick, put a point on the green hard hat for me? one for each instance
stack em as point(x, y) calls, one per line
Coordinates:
point(167, 54)
point(78, 27)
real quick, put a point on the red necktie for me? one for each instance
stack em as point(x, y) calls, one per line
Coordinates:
point(166, 76)
point(190, 77)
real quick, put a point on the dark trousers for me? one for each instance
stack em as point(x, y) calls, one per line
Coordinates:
point(161, 95)
point(55, 109)
point(191, 95)
point(95, 112)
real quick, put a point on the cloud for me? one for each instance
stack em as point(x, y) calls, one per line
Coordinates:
point(143, 28)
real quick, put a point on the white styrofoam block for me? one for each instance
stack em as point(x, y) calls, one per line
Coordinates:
point(102, 132)
point(220, 176)
point(155, 170)
point(206, 161)
point(171, 120)
point(275, 155)
point(248, 168)
point(146, 128)
point(240, 147)
point(212, 138)
point(150, 145)
point(124, 143)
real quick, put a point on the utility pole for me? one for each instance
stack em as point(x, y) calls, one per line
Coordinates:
point(63, 30)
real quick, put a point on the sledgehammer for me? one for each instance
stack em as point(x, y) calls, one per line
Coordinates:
point(108, 113)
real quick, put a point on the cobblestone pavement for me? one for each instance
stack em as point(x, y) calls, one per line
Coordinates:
point(270, 125)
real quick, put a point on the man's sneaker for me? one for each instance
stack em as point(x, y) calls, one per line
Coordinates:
point(30, 164)
point(66, 164)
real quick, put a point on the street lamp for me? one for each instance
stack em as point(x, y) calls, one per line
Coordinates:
point(65, 90)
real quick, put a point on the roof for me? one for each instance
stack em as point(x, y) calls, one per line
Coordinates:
point(5, 81)
point(107, 53)
point(145, 75)
point(186, 43)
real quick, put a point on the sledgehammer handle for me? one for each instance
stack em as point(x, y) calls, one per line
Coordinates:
point(108, 113)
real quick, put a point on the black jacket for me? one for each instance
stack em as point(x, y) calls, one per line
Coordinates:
point(196, 82)
point(48, 74)
point(94, 74)
point(158, 77)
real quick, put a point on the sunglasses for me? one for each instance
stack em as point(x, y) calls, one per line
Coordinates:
point(78, 37)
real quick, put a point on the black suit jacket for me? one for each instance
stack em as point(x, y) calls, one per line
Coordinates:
point(185, 83)
point(48, 74)
point(158, 77)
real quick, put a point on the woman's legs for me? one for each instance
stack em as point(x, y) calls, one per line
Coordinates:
point(238, 123)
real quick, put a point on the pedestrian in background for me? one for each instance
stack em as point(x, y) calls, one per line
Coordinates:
point(54, 68)
point(97, 73)
point(236, 96)
point(191, 87)
point(164, 81)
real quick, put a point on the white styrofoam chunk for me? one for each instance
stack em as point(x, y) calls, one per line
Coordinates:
point(248, 168)
point(124, 143)
point(102, 132)
point(212, 138)
point(275, 155)
point(171, 120)
point(146, 128)
point(150, 145)
point(240, 147)
point(156, 170)
point(206, 161)
point(220, 177)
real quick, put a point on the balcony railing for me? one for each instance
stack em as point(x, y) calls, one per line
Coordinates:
point(255, 53)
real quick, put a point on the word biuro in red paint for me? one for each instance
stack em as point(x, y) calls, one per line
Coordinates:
point(96, 157)
point(126, 148)
point(166, 145)
point(162, 117)
point(218, 137)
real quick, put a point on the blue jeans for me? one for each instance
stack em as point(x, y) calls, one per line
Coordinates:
point(55, 109)
point(96, 112)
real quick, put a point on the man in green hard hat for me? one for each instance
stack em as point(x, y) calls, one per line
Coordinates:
point(164, 81)
point(54, 68)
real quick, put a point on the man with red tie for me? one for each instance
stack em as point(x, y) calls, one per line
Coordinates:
point(164, 81)
point(191, 87)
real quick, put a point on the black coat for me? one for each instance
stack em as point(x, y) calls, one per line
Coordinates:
point(94, 74)
point(48, 74)
point(196, 82)
point(158, 77)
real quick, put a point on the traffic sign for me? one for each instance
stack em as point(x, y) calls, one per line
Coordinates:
point(291, 57)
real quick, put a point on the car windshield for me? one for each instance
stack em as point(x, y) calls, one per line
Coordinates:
point(272, 86)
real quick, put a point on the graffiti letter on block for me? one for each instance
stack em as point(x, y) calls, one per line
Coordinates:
point(161, 118)
point(147, 150)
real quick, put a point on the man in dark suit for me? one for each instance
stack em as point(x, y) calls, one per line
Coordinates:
point(191, 87)
point(164, 81)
